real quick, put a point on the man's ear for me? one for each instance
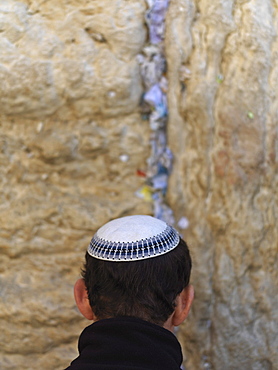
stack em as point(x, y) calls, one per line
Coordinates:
point(183, 303)
point(82, 301)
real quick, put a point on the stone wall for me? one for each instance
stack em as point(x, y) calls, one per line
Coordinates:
point(223, 75)
point(72, 139)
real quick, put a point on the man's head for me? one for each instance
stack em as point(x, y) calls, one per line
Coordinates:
point(136, 266)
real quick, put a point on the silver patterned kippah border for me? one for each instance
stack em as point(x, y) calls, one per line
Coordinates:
point(136, 250)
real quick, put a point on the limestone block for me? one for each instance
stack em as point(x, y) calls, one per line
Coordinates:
point(55, 178)
point(53, 54)
point(60, 181)
point(71, 141)
point(222, 69)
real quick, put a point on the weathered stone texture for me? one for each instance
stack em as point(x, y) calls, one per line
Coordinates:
point(223, 70)
point(71, 140)
point(53, 54)
point(69, 104)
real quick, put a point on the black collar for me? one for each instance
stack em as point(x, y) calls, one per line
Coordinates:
point(127, 343)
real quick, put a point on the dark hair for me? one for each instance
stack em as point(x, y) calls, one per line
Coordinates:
point(145, 289)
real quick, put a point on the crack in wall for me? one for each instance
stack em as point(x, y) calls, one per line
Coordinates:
point(155, 109)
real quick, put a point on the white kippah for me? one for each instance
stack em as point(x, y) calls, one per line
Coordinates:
point(133, 238)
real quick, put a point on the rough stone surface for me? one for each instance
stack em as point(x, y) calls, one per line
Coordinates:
point(69, 105)
point(223, 74)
